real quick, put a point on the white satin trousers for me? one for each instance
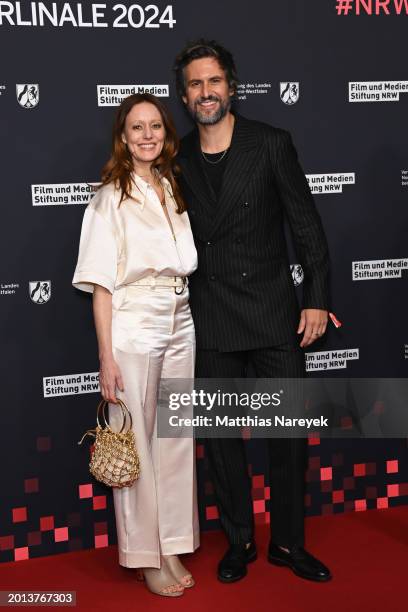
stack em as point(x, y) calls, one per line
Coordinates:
point(153, 337)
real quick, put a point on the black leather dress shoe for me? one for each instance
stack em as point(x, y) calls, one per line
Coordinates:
point(232, 566)
point(301, 562)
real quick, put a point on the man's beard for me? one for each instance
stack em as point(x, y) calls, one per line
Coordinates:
point(204, 119)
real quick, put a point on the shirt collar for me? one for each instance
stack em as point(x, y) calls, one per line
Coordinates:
point(143, 188)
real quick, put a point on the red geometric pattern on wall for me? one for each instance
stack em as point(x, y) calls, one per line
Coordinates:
point(38, 524)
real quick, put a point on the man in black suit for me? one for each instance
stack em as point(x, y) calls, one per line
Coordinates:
point(240, 178)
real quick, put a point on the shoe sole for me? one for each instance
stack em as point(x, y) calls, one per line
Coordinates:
point(251, 559)
point(282, 563)
point(165, 594)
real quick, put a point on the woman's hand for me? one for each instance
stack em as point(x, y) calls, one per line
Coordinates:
point(110, 379)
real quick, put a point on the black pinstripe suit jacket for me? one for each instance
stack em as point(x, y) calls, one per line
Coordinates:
point(242, 295)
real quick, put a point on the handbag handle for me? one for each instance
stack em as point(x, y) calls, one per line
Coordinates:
point(125, 413)
point(101, 408)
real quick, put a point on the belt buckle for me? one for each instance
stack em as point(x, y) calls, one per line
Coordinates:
point(182, 288)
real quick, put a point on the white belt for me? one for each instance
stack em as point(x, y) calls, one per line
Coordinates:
point(161, 281)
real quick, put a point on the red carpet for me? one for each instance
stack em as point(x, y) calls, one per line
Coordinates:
point(366, 551)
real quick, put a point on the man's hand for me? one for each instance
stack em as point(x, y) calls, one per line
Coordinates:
point(313, 322)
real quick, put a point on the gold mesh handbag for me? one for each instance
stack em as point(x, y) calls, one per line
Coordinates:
point(114, 460)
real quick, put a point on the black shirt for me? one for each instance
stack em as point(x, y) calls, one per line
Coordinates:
point(215, 171)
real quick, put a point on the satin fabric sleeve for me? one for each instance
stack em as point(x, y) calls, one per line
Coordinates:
point(98, 253)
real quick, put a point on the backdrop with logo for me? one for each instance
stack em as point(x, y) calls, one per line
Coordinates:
point(328, 71)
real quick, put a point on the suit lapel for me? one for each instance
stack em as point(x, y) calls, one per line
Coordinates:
point(193, 172)
point(242, 158)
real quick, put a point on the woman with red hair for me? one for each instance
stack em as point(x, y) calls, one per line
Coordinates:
point(136, 252)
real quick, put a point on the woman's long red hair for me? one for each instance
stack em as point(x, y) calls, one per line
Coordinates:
point(120, 165)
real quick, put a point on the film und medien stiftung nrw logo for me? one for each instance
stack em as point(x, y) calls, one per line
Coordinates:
point(71, 384)
point(289, 92)
point(28, 95)
point(330, 360)
point(376, 91)
point(377, 269)
point(40, 291)
point(297, 274)
point(113, 95)
point(331, 182)
point(58, 194)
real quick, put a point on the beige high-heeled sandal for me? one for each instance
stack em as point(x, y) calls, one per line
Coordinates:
point(179, 571)
point(160, 581)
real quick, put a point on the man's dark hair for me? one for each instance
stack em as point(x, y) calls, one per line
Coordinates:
point(205, 48)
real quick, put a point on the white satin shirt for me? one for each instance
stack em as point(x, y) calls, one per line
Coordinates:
point(123, 244)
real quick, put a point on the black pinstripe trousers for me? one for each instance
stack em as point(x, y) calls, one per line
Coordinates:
point(287, 456)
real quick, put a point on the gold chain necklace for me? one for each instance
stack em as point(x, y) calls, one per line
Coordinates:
point(218, 160)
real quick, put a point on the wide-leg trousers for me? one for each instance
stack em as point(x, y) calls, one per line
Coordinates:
point(287, 456)
point(153, 338)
